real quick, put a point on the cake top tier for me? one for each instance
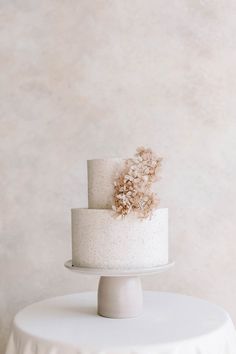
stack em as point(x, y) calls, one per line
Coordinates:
point(124, 184)
point(101, 176)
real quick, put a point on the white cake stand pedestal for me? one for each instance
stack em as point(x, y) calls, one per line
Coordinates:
point(120, 292)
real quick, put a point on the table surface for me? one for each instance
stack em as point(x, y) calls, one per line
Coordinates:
point(169, 321)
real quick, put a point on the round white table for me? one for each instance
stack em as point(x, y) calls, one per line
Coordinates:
point(170, 324)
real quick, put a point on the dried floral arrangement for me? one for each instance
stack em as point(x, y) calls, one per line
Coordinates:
point(132, 188)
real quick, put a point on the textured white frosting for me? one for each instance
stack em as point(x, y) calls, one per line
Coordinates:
point(101, 241)
point(101, 176)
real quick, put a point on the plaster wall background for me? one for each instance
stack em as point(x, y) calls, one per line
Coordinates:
point(95, 79)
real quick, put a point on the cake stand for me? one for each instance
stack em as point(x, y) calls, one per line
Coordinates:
point(119, 291)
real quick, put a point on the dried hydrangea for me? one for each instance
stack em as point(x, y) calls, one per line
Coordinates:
point(132, 188)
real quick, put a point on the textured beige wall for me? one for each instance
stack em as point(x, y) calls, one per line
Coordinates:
point(87, 79)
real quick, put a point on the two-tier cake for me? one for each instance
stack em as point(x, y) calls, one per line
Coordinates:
point(122, 227)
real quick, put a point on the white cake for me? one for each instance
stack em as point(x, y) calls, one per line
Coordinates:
point(101, 176)
point(99, 240)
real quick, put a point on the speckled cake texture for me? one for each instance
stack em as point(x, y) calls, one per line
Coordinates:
point(101, 241)
point(101, 177)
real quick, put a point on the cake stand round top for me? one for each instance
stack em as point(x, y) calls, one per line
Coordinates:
point(118, 272)
point(170, 323)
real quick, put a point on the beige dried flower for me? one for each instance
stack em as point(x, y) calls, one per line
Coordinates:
point(132, 188)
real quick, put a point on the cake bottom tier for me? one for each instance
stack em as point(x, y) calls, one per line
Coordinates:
point(101, 241)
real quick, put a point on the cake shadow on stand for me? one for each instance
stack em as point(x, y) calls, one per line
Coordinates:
point(121, 235)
